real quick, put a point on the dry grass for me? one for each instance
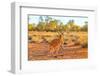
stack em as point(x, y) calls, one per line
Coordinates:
point(38, 49)
point(49, 36)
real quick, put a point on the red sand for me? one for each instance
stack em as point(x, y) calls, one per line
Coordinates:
point(39, 51)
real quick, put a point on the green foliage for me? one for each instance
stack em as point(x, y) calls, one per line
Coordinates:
point(49, 24)
point(41, 19)
point(52, 25)
point(71, 26)
point(41, 26)
point(85, 26)
point(30, 27)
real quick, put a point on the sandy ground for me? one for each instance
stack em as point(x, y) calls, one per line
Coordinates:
point(39, 51)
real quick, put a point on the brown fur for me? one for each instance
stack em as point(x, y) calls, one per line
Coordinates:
point(55, 45)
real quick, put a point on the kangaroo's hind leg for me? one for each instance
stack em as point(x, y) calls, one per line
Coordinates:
point(51, 51)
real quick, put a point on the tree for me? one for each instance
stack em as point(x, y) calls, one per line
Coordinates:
point(85, 26)
point(40, 19)
point(61, 27)
point(76, 28)
point(47, 19)
point(71, 25)
point(53, 25)
point(31, 27)
point(41, 26)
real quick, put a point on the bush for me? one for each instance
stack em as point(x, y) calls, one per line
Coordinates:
point(85, 45)
point(30, 27)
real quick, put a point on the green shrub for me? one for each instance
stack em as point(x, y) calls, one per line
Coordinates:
point(30, 27)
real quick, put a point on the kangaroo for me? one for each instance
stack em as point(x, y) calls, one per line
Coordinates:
point(56, 44)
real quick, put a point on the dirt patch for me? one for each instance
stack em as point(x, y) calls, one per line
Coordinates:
point(39, 51)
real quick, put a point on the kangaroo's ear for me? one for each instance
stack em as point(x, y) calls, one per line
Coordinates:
point(62, 32)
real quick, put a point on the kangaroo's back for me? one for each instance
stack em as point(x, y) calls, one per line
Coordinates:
point(55, 44)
